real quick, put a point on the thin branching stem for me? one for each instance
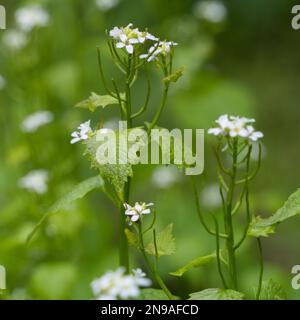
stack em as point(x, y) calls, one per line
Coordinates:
point(144, 107)
point(199, 211)
point(218, 252)
point(102, 75)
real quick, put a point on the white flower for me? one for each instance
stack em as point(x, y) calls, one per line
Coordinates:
point(83, 133)
point(117, 285)
point(140, 278)
point(106, 5)
point(35, 181)
point(35, 120)
point(213, 11)
point(223, 123)
point(161, 48)
point(31, 16)
point(236, 127)
point(2, 82)
point(127, 37)
point(14, 39)
point(164, 177)
point(139, 209)
point(254, 135)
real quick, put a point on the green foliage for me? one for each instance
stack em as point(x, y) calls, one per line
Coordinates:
point(165, 242)
point(95, 101)
point(217, 294)
point(153, 294)
point(262, 227)
point(196, 263)
point(78, 192)
point(117, 174)
point(259, 228)
point(272, 290)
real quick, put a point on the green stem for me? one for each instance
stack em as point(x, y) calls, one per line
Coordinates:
point(123, 244)
point(228, 220)
point(152, 268)
point(218, 253)
point(198, 208)
point(160, 109)
point(261, 273)
point(246, 190)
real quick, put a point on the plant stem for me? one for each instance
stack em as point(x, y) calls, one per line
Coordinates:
point(261, 273)
point(123, 244)
point(198, 208)
point(153, 269)
point(228, 220)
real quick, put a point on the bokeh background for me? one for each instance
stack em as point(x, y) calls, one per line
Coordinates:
point(240, 57)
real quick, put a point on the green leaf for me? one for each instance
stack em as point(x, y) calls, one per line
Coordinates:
point(78, 192)
point(153, 294)
point(165, 243)
point(131, 238)
point(217, 294)
point(272, 290)
point(94, 101)
point(263, 227)
point(259, 228)
point(198, 262)
point(117, 174)
point(174, 76)
point(290, 209)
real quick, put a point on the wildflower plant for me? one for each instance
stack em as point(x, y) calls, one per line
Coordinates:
point(134, 52)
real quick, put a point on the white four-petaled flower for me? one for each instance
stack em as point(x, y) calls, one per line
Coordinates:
point(83, 132)
point(118, 285)
point(236, 127)
point(127, 37)
point(139, 209)
point(161, 48)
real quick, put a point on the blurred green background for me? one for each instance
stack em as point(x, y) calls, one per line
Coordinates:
point(240, 58)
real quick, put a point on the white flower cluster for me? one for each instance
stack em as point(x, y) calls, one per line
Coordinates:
point(236, 127)
point(31, 16)
point(83, 132)
point(35, 120)
point(115, 285)
point(35, 181)
point(128, 37)
point(136, 212)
